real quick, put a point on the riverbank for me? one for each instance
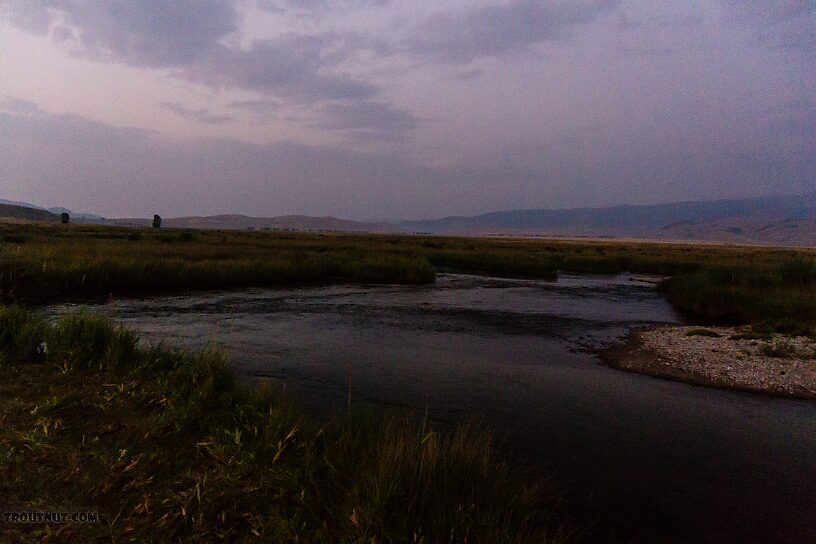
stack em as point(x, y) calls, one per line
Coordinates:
point(162, 445)
point(735, 358)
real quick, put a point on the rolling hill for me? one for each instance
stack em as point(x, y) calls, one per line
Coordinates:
point(11, 213)
point(787, 220)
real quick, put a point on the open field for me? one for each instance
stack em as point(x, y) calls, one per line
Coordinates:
point(735, 285)
point(165, 447)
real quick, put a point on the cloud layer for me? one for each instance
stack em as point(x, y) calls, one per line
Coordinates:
point(375, 108)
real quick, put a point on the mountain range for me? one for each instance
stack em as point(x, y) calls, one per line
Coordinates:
point(781, 220)
point(788, 220)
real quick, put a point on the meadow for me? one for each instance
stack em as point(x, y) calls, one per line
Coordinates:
point(708, 284)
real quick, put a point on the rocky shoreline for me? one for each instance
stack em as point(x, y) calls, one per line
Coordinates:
point(723, 357)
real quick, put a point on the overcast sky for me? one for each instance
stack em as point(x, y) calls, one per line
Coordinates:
point(371, 109)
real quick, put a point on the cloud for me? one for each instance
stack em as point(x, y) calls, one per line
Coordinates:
point(292, 66)
point(459, 37)
point(313, 6)
point(642, 50)
point(367, 120)
point(467, 75)
point(31, 16)
point(148, 33)
point(780, 24)
point(200, 115)
point(79, 163)
point(18, 105)
point(188, 37)
point(257, 107)
point(768, 12)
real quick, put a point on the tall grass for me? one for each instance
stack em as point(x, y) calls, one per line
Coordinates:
point(781, 295)
point(169, 448)
point(22, 334)
point(709, 284)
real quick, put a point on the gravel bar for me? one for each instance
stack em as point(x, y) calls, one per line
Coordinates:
point(775, 365)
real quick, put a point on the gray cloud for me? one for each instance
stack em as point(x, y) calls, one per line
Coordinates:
point(785, 24)
point(258, 107)
point(18, 105)
point(120, 172)
point(769, 12)
point(493, 30)
point(75, 162)
point(30, 16)
point(186, 36)
point(367, 120)
point(290, 65)
point(151, 33)
point(313, 6)
point(200, 115)
point(467, 75)
point(642, 50)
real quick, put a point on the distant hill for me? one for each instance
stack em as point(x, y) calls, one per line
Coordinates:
point(74, 215)
point(23, 214)
point(780, 220)
point(243, 222)
point(294, 222)
point(776, 220)
point(55, 211)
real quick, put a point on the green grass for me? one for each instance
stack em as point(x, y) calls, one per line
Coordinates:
point(704, 332)
point(167, 448)
point(733, 285)
point(781, 349)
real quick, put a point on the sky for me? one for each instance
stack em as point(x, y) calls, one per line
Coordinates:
point(412, 109)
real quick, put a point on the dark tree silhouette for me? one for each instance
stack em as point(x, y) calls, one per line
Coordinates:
point(157, 221)
point(65, 218)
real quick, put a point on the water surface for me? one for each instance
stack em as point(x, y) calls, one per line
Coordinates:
point(680, 463)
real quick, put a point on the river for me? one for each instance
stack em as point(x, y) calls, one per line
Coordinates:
point(664, 461)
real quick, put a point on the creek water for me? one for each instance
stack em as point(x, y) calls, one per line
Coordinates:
point(660, 461)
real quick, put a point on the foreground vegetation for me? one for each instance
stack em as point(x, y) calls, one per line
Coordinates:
point(166, 447)
point(773, 288)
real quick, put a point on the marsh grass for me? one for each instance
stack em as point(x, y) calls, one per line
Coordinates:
point(763, 294)
point(22, 334)
point(733, 285)
point(168, 448)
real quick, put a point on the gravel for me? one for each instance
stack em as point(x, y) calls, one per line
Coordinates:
point(778, 365)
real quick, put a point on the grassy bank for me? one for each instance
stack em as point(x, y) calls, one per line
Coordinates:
point(735, 285)
point(166, 447)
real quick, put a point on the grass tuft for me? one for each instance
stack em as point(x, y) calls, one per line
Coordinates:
point(704, 332)
point(21, 334)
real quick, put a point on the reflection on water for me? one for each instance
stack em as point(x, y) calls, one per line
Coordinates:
point(679, 462)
